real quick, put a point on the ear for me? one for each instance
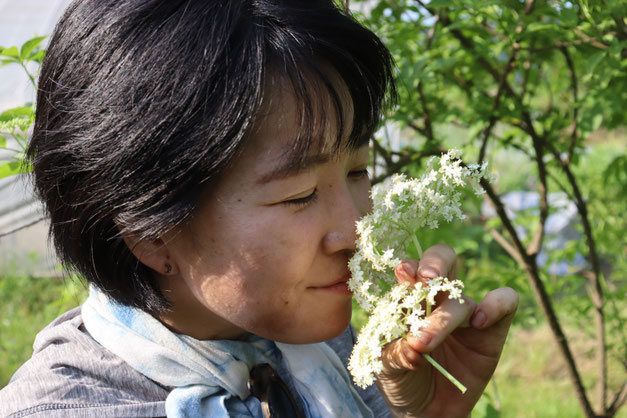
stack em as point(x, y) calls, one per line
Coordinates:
point(152, 253)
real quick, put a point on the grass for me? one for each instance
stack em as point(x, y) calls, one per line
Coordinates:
point(532, 381)
point(26, 306)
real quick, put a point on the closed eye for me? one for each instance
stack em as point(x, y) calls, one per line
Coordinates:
point(357, 174)
point(302, 201)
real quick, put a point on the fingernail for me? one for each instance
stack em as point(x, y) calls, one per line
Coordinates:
point(408, 269)
point(428, 272)
point(425, 339)
point(478, 320)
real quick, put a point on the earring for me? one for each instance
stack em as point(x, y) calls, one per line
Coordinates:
point(168, 268)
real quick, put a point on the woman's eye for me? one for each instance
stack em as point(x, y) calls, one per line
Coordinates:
point(357, 174)
point(302, 201)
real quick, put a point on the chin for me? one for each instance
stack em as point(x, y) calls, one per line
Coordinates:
point(323, 330)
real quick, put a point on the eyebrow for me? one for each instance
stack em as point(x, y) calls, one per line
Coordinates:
point(290, 169)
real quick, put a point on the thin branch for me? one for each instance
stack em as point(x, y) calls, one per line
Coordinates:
point(618, 401)
point(406, 159)
point(573, 83)
point(590, 40)
point(536, 242)
point(382, 152)
point(495, 105)
point(596, 295)
point(566, 44)
point(427, 116)
point(422, 131)
point(13, 231)
point(507, 246)
point(529, 5)
point(423, 101)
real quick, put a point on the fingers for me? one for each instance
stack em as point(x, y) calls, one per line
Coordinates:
point(405, 353)
point(399, 355)
point(496, 305)
point(450, 315)
point(438, 260)
point(406, 271)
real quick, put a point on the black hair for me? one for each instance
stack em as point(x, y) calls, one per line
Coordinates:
point(142, 104)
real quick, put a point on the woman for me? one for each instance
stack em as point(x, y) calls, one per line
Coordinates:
point(203, 164)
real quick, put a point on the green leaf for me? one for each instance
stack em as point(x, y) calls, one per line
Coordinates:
point(7, 61)
point(3, 142)
point(11, 52)
point(37, 56)
point(440, 3)
point(9, 169)
point(16, 112)
point(29, 46)
point(594, 60)
point(596, 121)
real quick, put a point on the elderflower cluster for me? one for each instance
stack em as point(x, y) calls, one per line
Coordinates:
point(396, 312)
point(401, 207)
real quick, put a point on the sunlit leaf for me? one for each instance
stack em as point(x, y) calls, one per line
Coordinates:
point(11, 52)
point(29, 46)
point(16, 112)
point(9, 169)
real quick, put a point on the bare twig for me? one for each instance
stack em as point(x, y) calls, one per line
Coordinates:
point(382, 152)
point(423, 101)
point(507, 246)
point(19, 228)
point(618, 401)
point(422, 131)
point(590, 40)
point(538, 147)
point(565, 44)
point(495, 105)
point(573, 83)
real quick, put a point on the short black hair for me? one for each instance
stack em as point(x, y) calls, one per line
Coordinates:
point(142, 104)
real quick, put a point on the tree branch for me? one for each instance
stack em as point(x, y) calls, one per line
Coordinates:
point(573, 83)
point(596, 293)
point(618, 401)
point(19, 228)
point(507, 246)
point(536, 242)
point(495, 105)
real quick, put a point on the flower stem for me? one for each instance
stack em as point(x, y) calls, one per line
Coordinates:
point(446, 374)
point(417, 244)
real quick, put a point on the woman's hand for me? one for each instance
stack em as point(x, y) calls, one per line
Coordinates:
point(466, 339)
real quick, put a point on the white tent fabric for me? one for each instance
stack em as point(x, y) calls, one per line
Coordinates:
point(26, 251)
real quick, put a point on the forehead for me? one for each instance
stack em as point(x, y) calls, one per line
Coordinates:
point(296, 123)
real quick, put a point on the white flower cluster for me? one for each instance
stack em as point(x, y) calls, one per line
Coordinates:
point(401, 207)
point(395, 313)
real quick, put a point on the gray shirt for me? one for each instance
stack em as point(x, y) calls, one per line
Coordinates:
point(72, 375)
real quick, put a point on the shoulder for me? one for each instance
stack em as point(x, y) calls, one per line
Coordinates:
point(70, 374)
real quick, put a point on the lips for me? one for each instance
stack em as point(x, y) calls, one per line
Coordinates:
point(339, 286)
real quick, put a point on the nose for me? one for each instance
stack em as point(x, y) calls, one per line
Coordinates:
point(347, 206)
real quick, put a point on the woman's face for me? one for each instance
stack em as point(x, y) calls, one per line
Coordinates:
point(267, 249)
